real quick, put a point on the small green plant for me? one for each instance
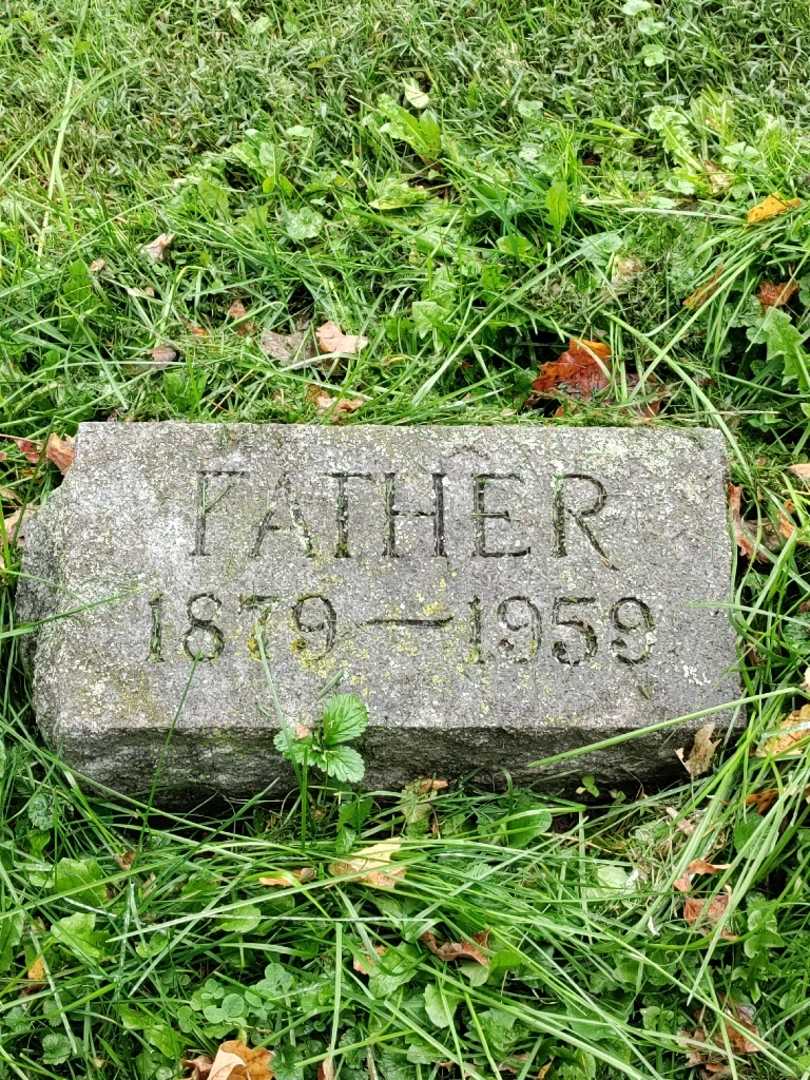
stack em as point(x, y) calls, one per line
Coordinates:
point(324, 746)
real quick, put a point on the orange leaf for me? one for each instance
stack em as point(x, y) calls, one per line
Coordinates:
point(776, 294)
point(28, 448)
point(331, 339)
point(771, 206)
point(744, 1017)
point(578, 372)
point(793, 731)
point(60, 451)
point(705, 291)
point(236, 1061)
point(696, 910)
point(695, 867)
point(458, 950)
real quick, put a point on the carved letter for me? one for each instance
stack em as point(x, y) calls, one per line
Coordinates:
point(560, 509)
point(342, 545)
point(392, 512)
point(481, 515)
point(205, 504)
point(297, 519)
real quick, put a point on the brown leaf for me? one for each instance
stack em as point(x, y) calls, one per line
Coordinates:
point(458, 950)
point(793, 732)
point(705, 291)
point(776, 294)
point(625, 268)
point(36, 975)
point(158, 247)
point(163, 355)
point(236, 1061)
point(29, 449)
point(285, 878)
point(336, 407)
point(686, 826)
point(200, 1067)
point(197, 331)
point(770, 207)
point(579, 372)
point(762, 800)
point(331, 339)
point(285, 348)
point(97, 265)
point(702, 752)
point(425, 787)
point(802, 470)
point(695, 867)
point(125, 859)
point(744, 1017)
point(746, 541)
point(326, 1069)
point(60, 451)
point(696, 910)
point(372, 865)
point(238, 312)
point(365, 964)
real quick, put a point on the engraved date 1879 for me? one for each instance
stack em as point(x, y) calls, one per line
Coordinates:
point(516, 629)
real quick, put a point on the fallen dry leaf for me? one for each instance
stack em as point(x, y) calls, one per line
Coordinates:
point(794, 731)
point(762, 800)
point(702, 752)
point(719, 180)
point(695, 867)
point(197, 331)
point(236, 1061)
point(458, 950)
point(579, 372)
point(286, 348)
point(60, 451)
point(712, 911)
point(776, 294)
point(28, 448)
point(743, 534)
point(336, 407)
point(624, 269)
point(125, 859)
point(705, 291)
point(200, 1067)
point(770, 207)
point(331, 339)
point(36, 972)
point(372, 865)
point(802, 470)
point(683, 824)
point(163, 355)
point(97, 265)
point(428, 785)
point(238, 312)
point(366, 964)
point(326, 1069)
point(744, 1017)
point(285, 878)
point(158, 247)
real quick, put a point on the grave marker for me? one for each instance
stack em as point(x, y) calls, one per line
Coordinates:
point(496, 595)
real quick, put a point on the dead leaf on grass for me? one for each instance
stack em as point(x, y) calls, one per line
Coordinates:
point(60, 451)
point(697, 910)
point(801, 469)
point(365, 964)
point(236, 1061)
point(771, 206)
point(579, 372)
point(745, 538)
point(336, 407)
point(624, 269)
point(238, 312)
point(686, 826)
point(36, 974)
point(705, 291)
point(762, 800)
point(125, 859)
point(97, 265)
point(372, 865)
point(200, 1067)
point(459, 950)
point(331, 339)
point(157, 249)
point(719, 180)
point(29, 449)
point(283, 879)
point(326, 1069)
point(285, 348)
point(695, 867)
point(776, 293)
point(163, 355)
point(702, 752)
point(791, 739)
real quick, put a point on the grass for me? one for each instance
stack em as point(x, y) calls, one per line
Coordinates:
point(579, 170)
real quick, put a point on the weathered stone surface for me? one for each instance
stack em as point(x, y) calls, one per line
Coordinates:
point(496, 595)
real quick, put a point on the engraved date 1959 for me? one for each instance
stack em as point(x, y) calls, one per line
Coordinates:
point(516, 629)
